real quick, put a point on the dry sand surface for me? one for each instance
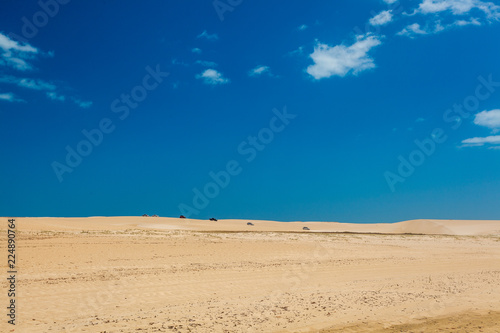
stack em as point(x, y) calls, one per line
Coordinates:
point(144, 274)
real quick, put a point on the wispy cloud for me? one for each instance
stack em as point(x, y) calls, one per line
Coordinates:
point(212, 77)
point(260, 70)
point(40, 85)
point(302, 27)
point(208, 36)
point(8, 44)
point(341, 60)
point(461, 23)
point(441, 15)
point(415, 29)
point(82, 104)
point(35, 84)
point(206, 63)
point(298, 51)
point(196, 50)
point(412, 30)
point(458, 7)
point(55, 96)
point(389, 2)
point(179, 62)
point(10, 97)
point(481, 141)
point(382, 18)
point(16, 55)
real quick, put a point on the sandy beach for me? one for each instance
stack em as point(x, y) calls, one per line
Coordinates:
point(145, 274)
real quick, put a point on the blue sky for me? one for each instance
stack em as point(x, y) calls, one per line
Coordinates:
point(353, 111)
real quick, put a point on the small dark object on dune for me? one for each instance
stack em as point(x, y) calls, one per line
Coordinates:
point(145, 215)
point(249, 223)
point(182, 217)
point(306, 228)
point(154, 215)
point(213, 219)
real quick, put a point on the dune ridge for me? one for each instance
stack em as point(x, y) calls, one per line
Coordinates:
point(420, 226)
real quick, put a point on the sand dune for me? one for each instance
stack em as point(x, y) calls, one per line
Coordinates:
point(135, 274)
point(426, 227)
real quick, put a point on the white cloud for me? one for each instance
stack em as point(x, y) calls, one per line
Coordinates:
point(28, 83)
point(8, 44)
point(213, 77)
point(480, 141)
point(82, 104)
point(490, 119)
point(259, 70)
point(36, 84)
point(453, 13)
point(196, 50)
point(9, 97)
point(206, 63)
point(389, 2)
point(412, 30)
point(15, 55)
point(341, 60)
point(40, 85)
point(6, 96)
point(415, 29)
point(458, 7)
point(208, 36)
point(298, 51)
point(461, 23)
point(381, 18)
point(62, 98)
point(302, 27)
point(55, 96)
point(179, 62)
point(16, 63)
